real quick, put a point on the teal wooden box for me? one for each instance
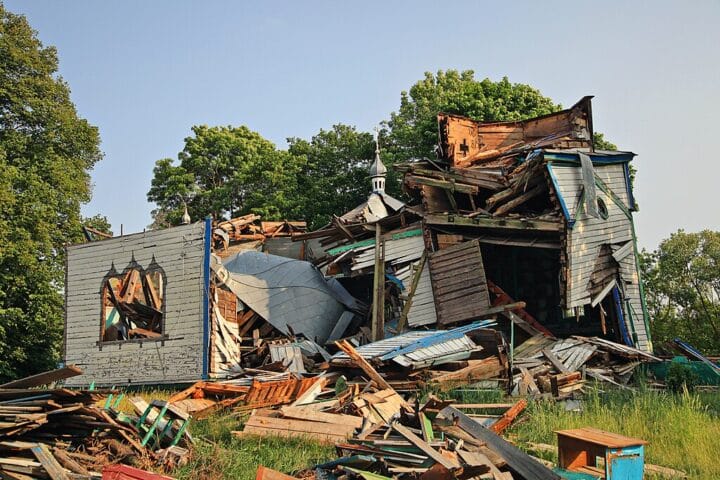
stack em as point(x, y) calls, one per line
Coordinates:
point(594, 453)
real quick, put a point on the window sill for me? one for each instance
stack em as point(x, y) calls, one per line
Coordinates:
point(162, 339)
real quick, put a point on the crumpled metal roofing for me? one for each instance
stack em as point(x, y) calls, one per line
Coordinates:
point(284, 292)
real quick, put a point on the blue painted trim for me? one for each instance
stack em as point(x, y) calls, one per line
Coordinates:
point(206, 299)
point(628, 185)
point(561, 199)
point(621, 318)
point(620, 157)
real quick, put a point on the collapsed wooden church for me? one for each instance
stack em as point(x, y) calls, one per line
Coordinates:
point(525, 222)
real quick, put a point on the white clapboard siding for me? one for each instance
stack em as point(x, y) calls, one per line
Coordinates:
point(179, 251)
point(422, 311)
point(397, 251)
point(589, 234)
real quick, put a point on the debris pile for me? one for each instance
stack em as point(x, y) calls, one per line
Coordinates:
point(62, 433)
point(560, 367)
point(380, 434)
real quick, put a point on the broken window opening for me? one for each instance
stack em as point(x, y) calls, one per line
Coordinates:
point(133, 304)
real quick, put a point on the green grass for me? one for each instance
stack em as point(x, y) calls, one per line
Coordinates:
point(683, 431)
point(220, 455)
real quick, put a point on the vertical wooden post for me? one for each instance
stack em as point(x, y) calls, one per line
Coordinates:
point(378, 310)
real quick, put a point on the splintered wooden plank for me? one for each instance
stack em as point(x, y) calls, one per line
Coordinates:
point(51, 465)
point(508, 417)
point(449, 286)
point(284, 427)
point(345, 346)
point(306, 413)
point(518, 461)
point(424, 447)
point(44, 378)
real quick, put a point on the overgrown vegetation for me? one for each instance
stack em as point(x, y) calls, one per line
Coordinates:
point(682, 429)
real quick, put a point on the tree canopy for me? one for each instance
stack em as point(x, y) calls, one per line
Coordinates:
point(682, 279)
point(46, 153)
point(334, 176)
point(225, 172)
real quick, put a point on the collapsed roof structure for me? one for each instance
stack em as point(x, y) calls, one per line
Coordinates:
point(525, 219)
point(522, 222)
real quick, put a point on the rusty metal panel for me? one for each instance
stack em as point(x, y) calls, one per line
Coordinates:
point(459, 285)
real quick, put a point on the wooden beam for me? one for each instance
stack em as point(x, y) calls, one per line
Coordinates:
point(44, 378)
point(378, 306)
point(555, 361)
point(452, 186)
point(345, 346)
point(424, 447)
point(554, 226)
point(517, 201)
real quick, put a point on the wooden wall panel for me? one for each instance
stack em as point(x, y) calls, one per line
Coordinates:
point(180, 253)
point(458, 281)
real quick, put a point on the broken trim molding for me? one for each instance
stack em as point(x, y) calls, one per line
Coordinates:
point(561, 199)
point(206, 298)
point(371, 241)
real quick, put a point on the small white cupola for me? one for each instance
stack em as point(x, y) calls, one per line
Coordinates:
point(377, 169)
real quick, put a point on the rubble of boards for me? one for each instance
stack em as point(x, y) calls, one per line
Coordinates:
point(63, 434)
point(365, 400)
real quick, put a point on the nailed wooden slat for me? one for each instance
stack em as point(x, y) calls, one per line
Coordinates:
point(470, 285)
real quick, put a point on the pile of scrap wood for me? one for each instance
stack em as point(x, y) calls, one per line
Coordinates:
point(248, 232)
point(560, 367)
point(62, 434)
point(380, 434)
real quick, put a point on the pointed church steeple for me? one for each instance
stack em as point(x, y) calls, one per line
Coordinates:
point(377, 169)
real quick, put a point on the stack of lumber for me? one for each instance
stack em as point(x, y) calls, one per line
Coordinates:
point(544, 365)
point(59, 433)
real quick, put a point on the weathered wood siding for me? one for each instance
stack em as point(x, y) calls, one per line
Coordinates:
point(588, 234)
point(180, 252)
point(458, 282)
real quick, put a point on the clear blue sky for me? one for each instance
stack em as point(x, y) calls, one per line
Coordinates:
point(144, 72)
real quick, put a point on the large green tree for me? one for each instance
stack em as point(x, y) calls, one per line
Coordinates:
point(335, 172)
point(46, 153)
point(226, 172)
point(682, 284)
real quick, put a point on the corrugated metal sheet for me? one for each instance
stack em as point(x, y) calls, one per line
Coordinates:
point(409, 342)
point(450, 350)
point(283, 292)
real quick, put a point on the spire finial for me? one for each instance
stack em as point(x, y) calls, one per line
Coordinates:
point(377, 169)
